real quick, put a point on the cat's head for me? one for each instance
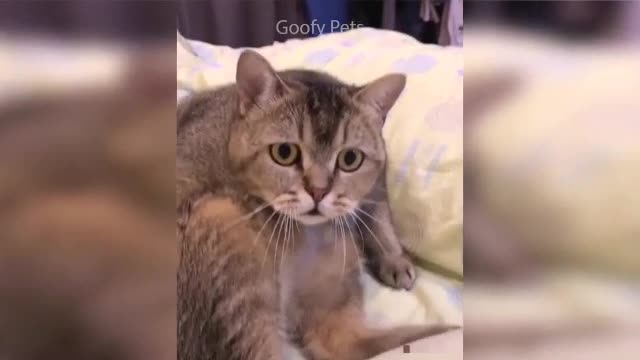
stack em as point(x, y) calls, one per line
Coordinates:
point(307, 144)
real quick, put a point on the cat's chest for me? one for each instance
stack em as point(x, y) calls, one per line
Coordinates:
point(309, 254)
point(306, 253)
point(322, 254)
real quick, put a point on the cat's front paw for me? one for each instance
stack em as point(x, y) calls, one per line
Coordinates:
point(397, 271)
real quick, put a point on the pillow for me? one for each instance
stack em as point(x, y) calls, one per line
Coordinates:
point(565, 144)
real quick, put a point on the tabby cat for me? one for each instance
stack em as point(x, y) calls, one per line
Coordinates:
point(269, 170)
point(87, 249)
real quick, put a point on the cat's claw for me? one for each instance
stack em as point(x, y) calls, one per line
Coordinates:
point(397, 271)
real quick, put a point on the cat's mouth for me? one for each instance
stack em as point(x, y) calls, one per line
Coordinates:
point(313, 217)
point(309, 219)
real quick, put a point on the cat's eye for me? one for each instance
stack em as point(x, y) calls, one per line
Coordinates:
point(350, 159)
point(284, 154)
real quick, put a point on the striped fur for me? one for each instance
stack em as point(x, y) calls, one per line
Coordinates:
point(229, 306)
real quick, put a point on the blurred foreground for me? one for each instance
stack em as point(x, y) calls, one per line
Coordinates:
point(552, 166)
point(87, 256)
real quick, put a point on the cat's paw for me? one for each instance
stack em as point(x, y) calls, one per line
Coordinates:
point(397, 271)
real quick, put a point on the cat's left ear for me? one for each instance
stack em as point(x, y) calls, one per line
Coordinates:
point(382, 93)
point(257, 82)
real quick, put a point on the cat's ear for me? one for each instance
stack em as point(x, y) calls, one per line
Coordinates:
point(257, 81)
point(482, 91)
point(382, 93)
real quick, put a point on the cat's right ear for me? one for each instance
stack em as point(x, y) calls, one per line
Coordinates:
point(382, 93)
point(257, 81)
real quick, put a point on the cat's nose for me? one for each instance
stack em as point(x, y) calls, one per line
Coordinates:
point(317, 193)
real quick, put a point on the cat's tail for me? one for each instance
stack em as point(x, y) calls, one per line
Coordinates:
point(377, 341)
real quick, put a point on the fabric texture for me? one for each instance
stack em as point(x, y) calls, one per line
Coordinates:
point(565, 145)
point(555, 163)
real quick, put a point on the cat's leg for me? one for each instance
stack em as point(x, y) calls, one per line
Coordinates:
point(228, 304)
point(341, 333)
point(386, 258)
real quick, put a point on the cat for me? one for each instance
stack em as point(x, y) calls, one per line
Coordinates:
point(303, 149)
point(87, 251)
point(325, 299)
point(491, 251)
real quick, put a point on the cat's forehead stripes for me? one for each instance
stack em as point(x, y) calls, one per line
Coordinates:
point(319, 150)
point(327, 109)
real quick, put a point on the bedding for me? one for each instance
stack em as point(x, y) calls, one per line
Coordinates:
point(565, 144)
point(423, 134)
point(552, 161)
point(31, 66)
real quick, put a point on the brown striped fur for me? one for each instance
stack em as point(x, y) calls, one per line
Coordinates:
point(230, 306)
point(87, 252)
point(325, 311)
point(224, 288)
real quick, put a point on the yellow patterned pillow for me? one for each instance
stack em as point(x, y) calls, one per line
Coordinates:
point(566, 146)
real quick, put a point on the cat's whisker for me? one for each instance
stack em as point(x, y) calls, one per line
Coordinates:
point(370, 231)
point(355, 222)
point(355, 247)
point(263, 227)
point(295, 217)
point(278, 237)
point(287, 231)
point(246, 217)
point(294, 221)
point(277, 225)
point(344, 245)
point(284, 237)
point(335, 234)
point(287, 235)
point(369, 216)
